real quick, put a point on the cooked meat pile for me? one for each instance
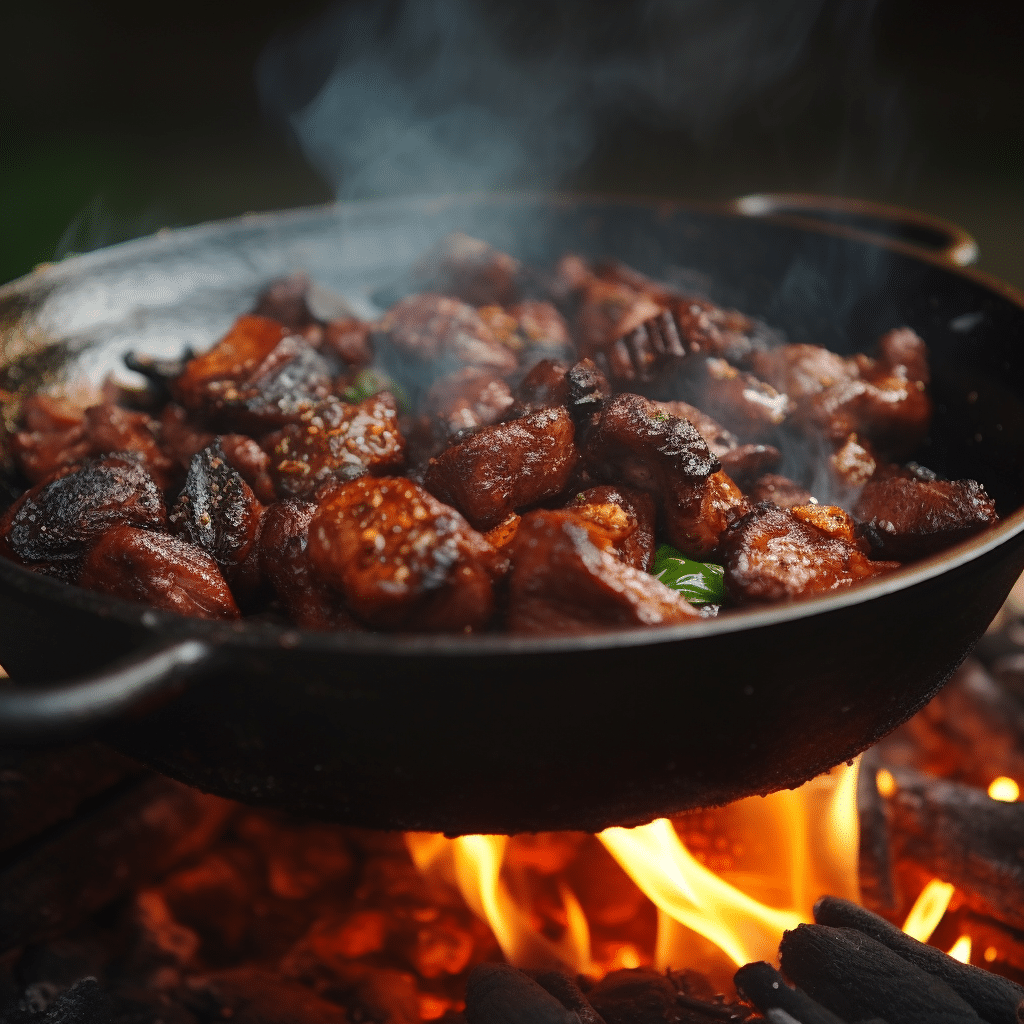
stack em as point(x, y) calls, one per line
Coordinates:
point(501, 450)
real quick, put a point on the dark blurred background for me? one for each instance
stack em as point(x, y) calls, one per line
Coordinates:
point(122, 118)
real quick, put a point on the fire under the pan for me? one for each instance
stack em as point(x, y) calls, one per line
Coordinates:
point(188, 909)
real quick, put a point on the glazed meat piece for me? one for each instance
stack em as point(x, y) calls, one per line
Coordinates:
point(472, 270)
point(749, 407)
point(284, 563)
point(773, 554)
point(627, 517)
point(714, 331)
point(543, 329)
point(402, 559)
point(432, 335)
point(337, 441)
point(51, 527)
point(159, 570)
point(851, 465)
point(113, 429)
point(913, 515)
point(607, 312)
point(218, 512)
point(230, 362)
point(507, 467)
point(719, 440)
point(180, 436)
point(466, 400)
point(748, 462)
point(565, 580)
point(252, 462)
point(544, 386)
point(638, 444)
point(350, 340)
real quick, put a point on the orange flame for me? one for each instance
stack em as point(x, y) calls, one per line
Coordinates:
point(806, 838)
point(927, 911)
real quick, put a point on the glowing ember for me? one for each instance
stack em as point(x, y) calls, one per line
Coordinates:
point(885, 782)
point(1005, 789)
point(927, 911)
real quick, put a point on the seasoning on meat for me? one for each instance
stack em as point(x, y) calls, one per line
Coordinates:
point(627, 517)
point(402, 559)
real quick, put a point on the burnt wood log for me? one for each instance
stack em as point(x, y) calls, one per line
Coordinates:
point(996, 999)
point(139, 830)
point(856, 977)
point(879, 887)
point(569, 994)
point(961, 835)
point(760, 984)
point(499, 994)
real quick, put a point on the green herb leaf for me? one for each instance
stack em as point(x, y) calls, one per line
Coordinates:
point(370, 382)
point(698, 582)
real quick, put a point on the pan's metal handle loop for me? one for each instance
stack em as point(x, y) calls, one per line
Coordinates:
point(868, 220)
point(44, 712)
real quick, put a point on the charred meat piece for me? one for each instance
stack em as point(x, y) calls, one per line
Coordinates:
point(472, 270)
point(402, 559)
point(749, 407)
point(719, 439)
point(627, 517)
point(218, 512)
point(52, 436)
point(432, 335)
point(337, 441)
point(587, 391)
point(779, 490)
point(648, 353)
point(506, 468)
point(566, 581)
point(747, 462)
point(52, 526)
point(252, 462)
point(607, 312)
point(772, 554)
point(284, 563)
point(714, 331)
point(159, 570)
point(468, 399)
point(696, 514)
point(910, 517)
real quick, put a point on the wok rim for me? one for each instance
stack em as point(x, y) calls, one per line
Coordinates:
point(255, 635)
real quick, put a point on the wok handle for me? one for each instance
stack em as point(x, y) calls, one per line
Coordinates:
point(44, 712)
point(868, 220)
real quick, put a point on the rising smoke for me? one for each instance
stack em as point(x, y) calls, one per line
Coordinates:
point(424, 96)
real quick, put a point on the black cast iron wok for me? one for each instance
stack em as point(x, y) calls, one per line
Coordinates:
point(495, 733)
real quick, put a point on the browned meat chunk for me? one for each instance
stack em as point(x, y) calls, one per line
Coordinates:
point(503, 534)
point(337, 441)
point(435, 334)
point(468, 399)
point(231, 361)
point(52, 526)
point(180, 438)
point(349, 340)
point(52, 436)
point(851, 466)
point(882, 400)
point(638, 444)
point(284, 300)
point(606, 313)
point(910, 516)
point(779, 490)
point(544, 386)
point(472, 271)
point(252, 462)
point(284, 562)
point(113, 429)
point(543, 329)
point(218, 512)
point(747, 462)
point(772, 554)
point(565, 581)
point(648, 353)
point(159, 570)
point(402, 559)
point(507, 467)
point(627, 517)
point(747, 406)
point(712, 330)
